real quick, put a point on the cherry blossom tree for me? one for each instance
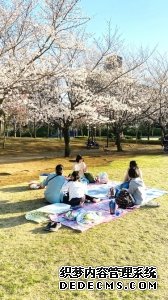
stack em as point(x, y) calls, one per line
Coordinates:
point(122, 93)
point(116, 79)
point(122, 103)
point(66, 100)
point(32, 33)
point(14, 114)
point(35, 36)
point(43, 55)
point(157, 81)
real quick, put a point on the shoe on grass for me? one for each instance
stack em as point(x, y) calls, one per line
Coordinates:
point(47, 228)
point(52, 226)
point(55, 227)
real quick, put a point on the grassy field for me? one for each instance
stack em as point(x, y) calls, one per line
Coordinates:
point(30, 258)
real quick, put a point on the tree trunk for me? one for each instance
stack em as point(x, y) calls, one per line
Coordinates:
point(34, 128)
point(152, 132)
point(15, 129)
point(100, 131)
point(136, 134)
point(118, 141)
point(60, 134)
point(4, 136)
point(66, 141)
point(48, 130)
point(4, 141)
point(20, 130)
point(81, 131)
point(162, 126)
point(163, 131)
point(148, 132)
point(107, 138)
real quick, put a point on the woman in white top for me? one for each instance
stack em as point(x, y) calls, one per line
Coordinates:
point(80, 166)
point(77, 191)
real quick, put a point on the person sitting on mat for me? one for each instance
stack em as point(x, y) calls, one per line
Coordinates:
point(125, 183)
point(77, 191)
point(133, 165)
point(80, 166)
point(53, 184)
point(137, 189)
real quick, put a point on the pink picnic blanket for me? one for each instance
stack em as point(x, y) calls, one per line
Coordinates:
point(100, 210)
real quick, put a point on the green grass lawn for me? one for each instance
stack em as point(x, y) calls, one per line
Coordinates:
point(30, 258)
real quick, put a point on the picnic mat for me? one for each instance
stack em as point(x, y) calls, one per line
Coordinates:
point(90, 214)
point(101, 191)
point(86, 216)
point(41, 215)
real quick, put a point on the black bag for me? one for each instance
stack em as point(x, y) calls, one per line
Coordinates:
point(124, 199)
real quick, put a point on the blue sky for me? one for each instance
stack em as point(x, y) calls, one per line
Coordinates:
point(140, 22)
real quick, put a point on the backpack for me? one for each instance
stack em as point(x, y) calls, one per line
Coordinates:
point(124, 199)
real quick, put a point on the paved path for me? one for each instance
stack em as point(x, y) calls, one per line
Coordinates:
point(7, 159)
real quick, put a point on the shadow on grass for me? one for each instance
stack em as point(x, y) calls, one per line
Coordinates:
point(21, 206)
point(14, 189)
point(5, 174)
point(30, 158)
point(137, 152)
point(40, 230)
point(17, 207)
point(149, 207)
point(12, 221)
point(4, 202)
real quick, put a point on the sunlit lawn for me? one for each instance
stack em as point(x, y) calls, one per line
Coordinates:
point(30, 258)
